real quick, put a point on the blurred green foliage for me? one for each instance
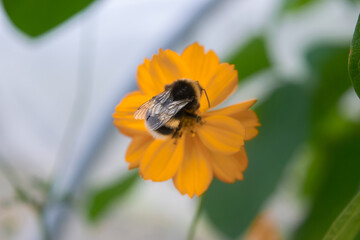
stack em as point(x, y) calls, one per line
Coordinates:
point(251, 58)
point(339, 183)
point(330, 182)
point(284, 118)
point(328, 82)
point(102, 199)
point(292, 5)
point(354, 59)
point(332, 178)
point(347, 225)
point(354, 1)
point(36, 17)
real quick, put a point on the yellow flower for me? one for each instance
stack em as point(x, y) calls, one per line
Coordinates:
point(212, 147)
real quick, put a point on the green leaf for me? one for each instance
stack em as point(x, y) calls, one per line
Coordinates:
point(339, 182)
point(36, 17)
point(284, 118)
point(332, 178)
point(347, 224)
point(328, 83)
point(293, 5)
point(330, 80)
point(102, 199)
point(251, 58)
point(354, 59)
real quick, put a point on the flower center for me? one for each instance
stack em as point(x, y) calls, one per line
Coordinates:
point(188, 124)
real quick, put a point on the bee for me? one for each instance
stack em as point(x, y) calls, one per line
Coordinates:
point(171, 110)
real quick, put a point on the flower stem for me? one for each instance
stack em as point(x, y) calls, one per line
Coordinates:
point(195, 220)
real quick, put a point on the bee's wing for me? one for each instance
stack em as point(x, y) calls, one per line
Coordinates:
point(159, 114)
point(159, 99)
point(141, 111)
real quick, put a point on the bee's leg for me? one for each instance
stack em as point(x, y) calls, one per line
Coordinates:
point(195, 116)
point(199, 120)
point(177, 134)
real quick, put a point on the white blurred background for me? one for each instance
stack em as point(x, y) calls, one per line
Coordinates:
point(102, 46)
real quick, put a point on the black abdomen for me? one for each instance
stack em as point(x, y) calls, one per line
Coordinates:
point(164, 130)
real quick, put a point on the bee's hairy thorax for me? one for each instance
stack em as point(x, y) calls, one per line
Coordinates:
point(186, 89)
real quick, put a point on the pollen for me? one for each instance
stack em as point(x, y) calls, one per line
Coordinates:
point(188, 124)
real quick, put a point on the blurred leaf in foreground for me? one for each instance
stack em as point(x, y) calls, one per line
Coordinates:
point(293, 5)
point(251, 58)
point(101, 200)
point(353, 1)
point(347, 224)
point(354, 59)
point(340, 181)
point(284, 118)
point(332, 178)
point(36, 17)
point(328, 83)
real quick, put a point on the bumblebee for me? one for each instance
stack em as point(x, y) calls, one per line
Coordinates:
point(167, 113)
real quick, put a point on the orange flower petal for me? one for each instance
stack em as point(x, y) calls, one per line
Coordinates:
point(164, 68)
point(222, 134)
point(250, 120)
point(220, 86)
point(195, 174)
point(233, 109)
point(229, 168)
point(250, 133)
point(173, 66)
point(124, 115)
point(202, 65)
point(241, 112)
point(243, 158)
point(162, 159)
point(148, 85)
point(136, 150)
